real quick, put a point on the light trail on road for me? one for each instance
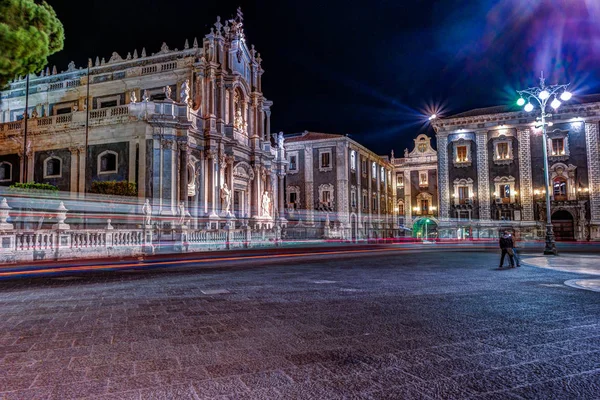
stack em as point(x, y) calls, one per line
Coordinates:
point(148, 265)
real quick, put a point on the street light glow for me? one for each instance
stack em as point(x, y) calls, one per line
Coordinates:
point(529, 107)
point(544, 94)
point(555, 103)
point(521, 102)
point(566, 95)
point(432, 116)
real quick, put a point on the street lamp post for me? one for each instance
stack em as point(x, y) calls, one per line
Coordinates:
point(542, 94)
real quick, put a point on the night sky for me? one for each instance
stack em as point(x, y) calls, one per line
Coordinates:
point(372, 69)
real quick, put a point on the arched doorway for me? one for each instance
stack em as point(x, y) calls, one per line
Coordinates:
point(425, 228)
point(563, 224)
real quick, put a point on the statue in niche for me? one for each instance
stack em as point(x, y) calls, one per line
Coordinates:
point(34, 113)
point(168, 92)
point(266, 204)
point(185, 92)
point(133, 97)
point(405, 152)
point(145, 97)
point(147, 210)
point(226, 198)
point(280, 140)
point(181, 213)
point(238, 122)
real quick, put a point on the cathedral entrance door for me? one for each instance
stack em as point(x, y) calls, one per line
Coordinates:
point(563, 224)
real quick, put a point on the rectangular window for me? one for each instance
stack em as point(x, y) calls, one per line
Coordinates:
point(365, 201)
point(326, 196)
point(353, 199)
point(353, 160)
point(363, 166)
point(423, 178)
point(293, 163)
point(110, 103)
point(325, 160)
point(461, 154)
point(293, 197)
point(374, 204)
point(400, 181)
point(425, 206)
point(463, 194)
point(558, 147)
point(505, 191)
point(502, 151)
point(64, 110)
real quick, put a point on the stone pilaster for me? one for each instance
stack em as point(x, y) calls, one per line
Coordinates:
point(483, 178)
point(525, 183)
point(407, 199)
point(308, 180)
point(593, 154)
point(443, 185)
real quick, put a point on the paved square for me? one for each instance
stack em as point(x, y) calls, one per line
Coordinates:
point(430, 325)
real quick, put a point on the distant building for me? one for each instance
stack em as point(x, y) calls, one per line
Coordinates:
point(491, 172)
point(332, 179)
point(187, 126)
point(416, 190)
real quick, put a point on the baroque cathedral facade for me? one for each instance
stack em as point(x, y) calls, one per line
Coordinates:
point(190, 127)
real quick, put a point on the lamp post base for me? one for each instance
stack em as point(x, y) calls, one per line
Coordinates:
point(550, 242)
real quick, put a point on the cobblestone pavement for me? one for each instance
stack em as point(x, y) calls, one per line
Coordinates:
point(420, 325)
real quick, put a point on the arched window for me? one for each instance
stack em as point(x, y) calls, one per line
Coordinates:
point(559, 185)
point(400, 208)
point(52, 167)
point(5, 171)
point(107, 162)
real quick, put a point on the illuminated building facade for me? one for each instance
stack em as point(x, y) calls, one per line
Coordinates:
point(335, 182)
point(188, 126)
point(491, 172)
point(416, 190)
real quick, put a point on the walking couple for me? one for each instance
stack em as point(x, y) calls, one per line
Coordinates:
point(507, 245)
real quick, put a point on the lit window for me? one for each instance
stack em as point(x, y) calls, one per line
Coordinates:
point(425, 206)
point(400, 180)
point(382, 174)
point(504, 191)
point(560, 188)
point(374, 171)
point(461, 154)
point(325, 160)
point(502, 151)
point(463, 194)
point(423, 181)
point(401, 208)
point(558, 147)
point(353, 160)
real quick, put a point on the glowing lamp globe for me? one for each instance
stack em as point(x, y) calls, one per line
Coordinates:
point(529, 107)
point(521, 102)
point(566, 95)
point(555, 103)
point(433, 116)
point(544, 95)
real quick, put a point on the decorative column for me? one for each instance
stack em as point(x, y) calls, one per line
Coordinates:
point(211, 156)
point(593, 158)
point(267, 131)
point(483, 180)
point(183, 173)
point(280, 191)
point(443, 185)
point(525, 183)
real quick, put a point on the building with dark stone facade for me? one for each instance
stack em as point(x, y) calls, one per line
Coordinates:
point(333, 180)
point(491, 172)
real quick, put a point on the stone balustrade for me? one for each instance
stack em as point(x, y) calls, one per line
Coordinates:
point(61, 241)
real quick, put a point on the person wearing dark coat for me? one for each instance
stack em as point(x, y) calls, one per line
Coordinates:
point(506, 245)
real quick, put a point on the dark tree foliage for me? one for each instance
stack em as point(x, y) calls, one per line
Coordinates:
point(30, 31)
